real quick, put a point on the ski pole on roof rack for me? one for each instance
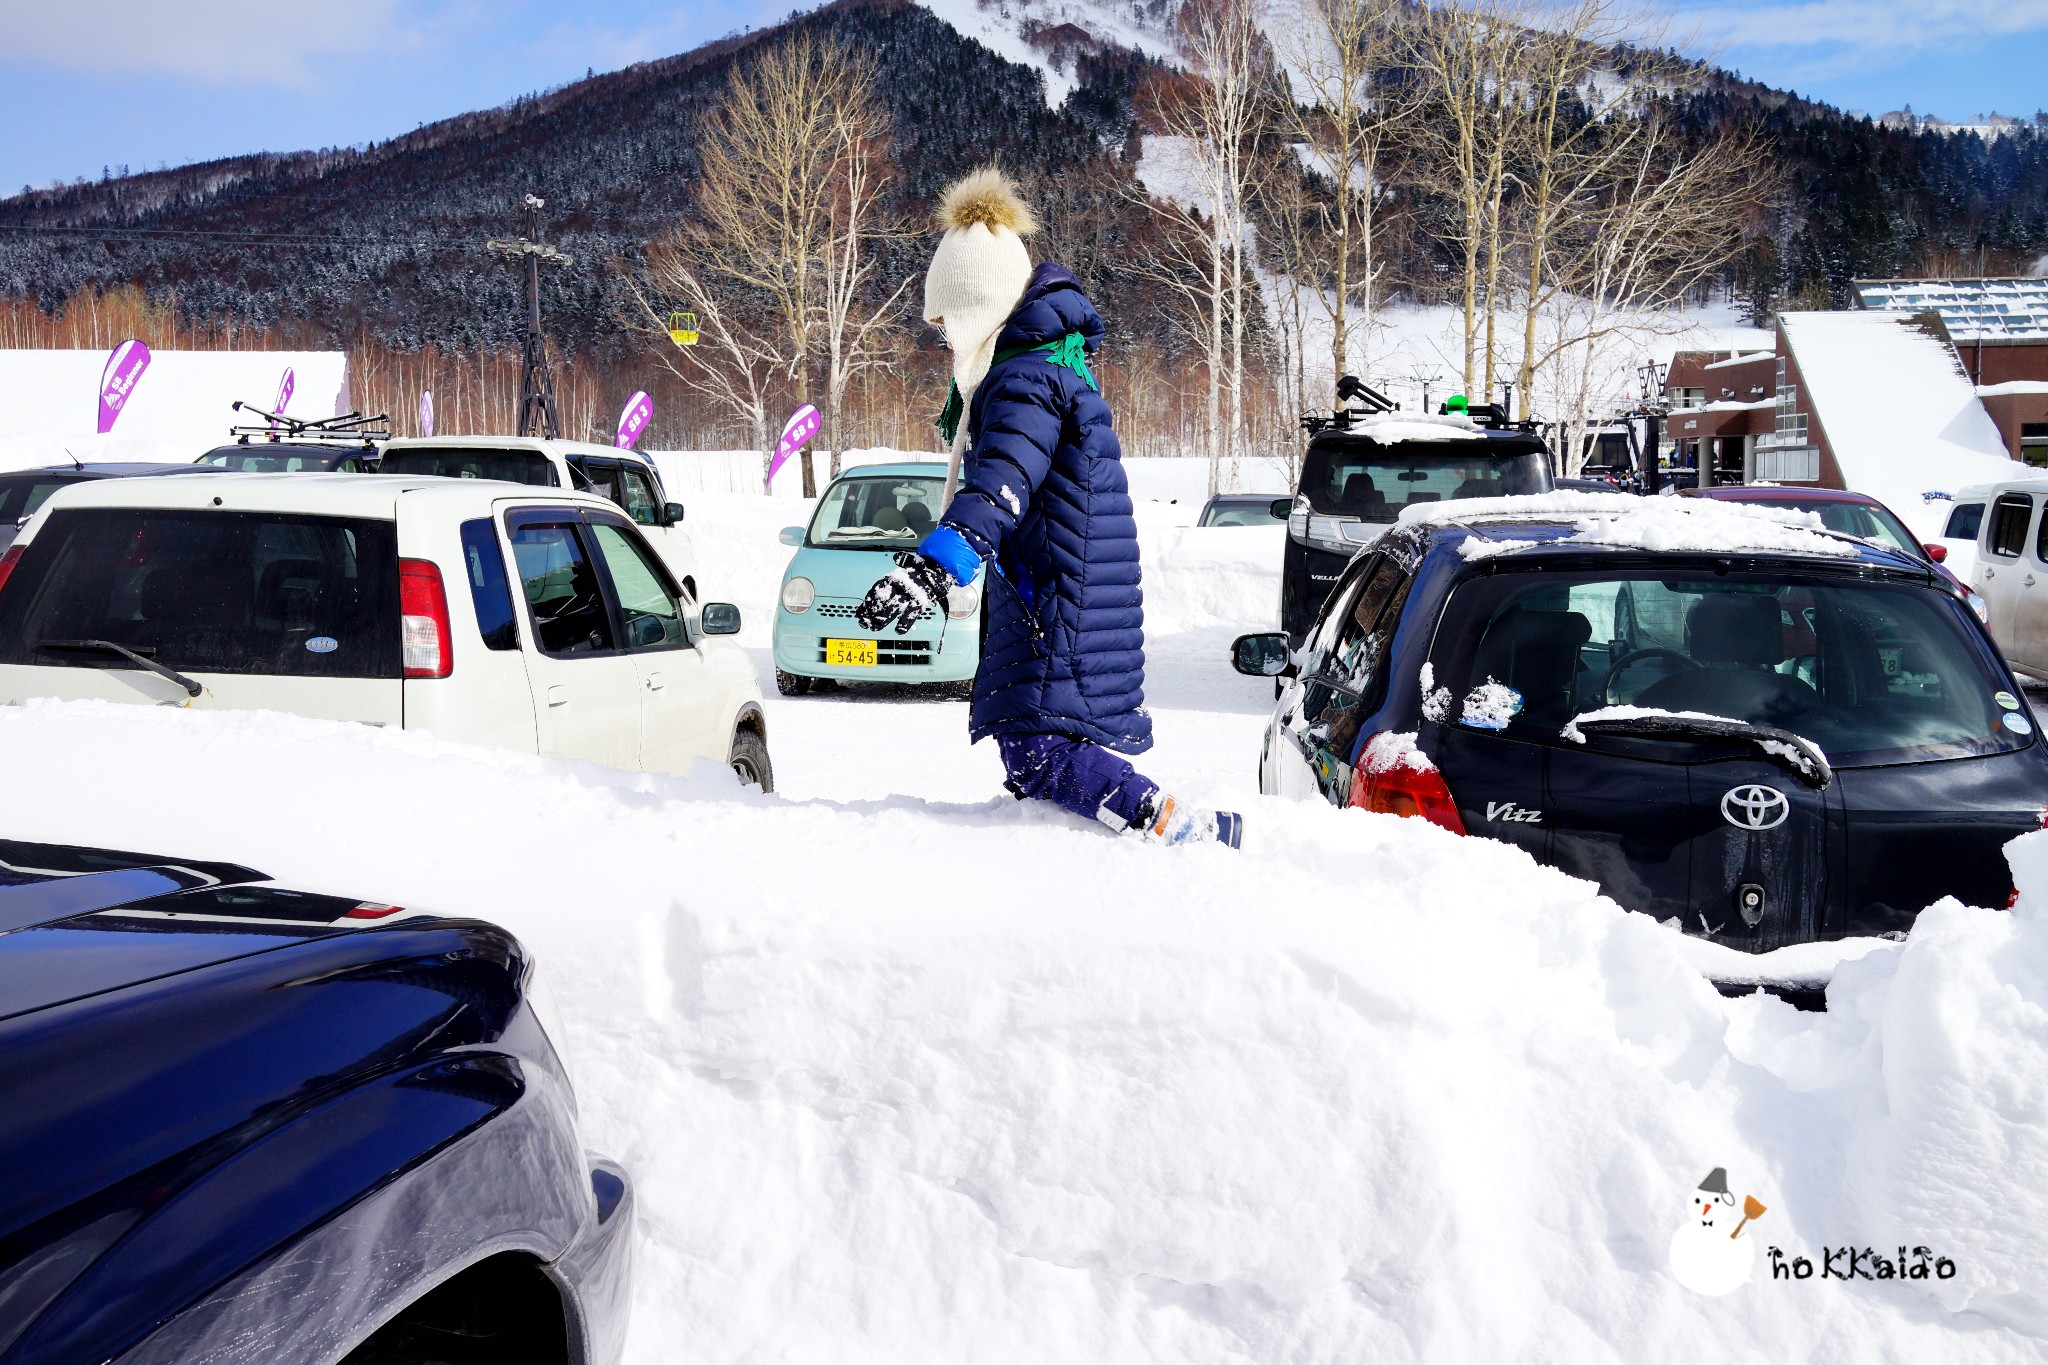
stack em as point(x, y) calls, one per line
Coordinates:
point(352, 426)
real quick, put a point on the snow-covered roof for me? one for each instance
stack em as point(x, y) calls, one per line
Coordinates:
point(1625, 521)
point(2012, 387)
point(1388, 428)
point(2003, 309)
point(1897, 408)
point(1750, 359)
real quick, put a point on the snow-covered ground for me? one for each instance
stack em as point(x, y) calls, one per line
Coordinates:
point(905, 1071)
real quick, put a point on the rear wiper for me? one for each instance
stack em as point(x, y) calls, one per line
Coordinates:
point(1801, 757)
point(109, 647)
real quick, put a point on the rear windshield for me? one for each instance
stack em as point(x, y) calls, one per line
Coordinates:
point(1964, 522)
point(207, 592)
point(463, 462)
point(269, 459)
point(877, 513)
point(1373, 482)
point(22, 494)
point(1872, 672)
point(1258, 513)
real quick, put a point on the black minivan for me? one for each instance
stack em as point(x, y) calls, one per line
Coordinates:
point(1770, 746)
point(1356, 480)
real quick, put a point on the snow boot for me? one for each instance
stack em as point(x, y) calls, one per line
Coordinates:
point(1168, 821)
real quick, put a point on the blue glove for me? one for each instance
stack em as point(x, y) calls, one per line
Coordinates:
point(949, 549)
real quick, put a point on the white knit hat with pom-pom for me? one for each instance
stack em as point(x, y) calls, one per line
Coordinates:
point(979, 271)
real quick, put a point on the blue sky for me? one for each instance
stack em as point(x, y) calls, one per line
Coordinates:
point(93, 83)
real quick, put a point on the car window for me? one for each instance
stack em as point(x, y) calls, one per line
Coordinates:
point(560, 583)
point(650, 607)
point(1240, 514)
point(208, 592)
point(604, 478)
point(484, 565)
point(639, 500)
point(890, 512)
point(1374, 482)
point(1350, 675)
point(22, 494)
point(1872, 672)
point(2009, 518)
point(463, 462)
point(1964, 522)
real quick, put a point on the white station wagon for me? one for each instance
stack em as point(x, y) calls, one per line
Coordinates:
point(532, 619)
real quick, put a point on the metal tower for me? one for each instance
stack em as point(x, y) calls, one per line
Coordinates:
point(537, 416)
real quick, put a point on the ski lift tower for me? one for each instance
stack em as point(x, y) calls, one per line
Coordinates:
point(537, 416)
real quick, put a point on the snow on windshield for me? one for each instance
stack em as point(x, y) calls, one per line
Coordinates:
point(1670, 525)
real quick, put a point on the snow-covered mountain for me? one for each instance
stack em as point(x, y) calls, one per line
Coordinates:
point(1048, 35)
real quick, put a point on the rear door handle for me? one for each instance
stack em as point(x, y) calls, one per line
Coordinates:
point(2027, 582)
point(558, 696)
point(654, 682)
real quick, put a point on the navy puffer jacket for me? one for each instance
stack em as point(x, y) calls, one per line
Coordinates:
point(1042, 494)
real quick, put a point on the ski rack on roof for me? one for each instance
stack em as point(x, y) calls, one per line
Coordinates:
point(1355, 399)
point(351, 428)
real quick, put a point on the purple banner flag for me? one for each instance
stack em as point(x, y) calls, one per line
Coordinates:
point(117, 380)
point(633, 420)
point(803, 424)
point(284, 392)
point(426, 412)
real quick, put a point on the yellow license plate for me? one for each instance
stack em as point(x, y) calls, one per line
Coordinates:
point(850, 653)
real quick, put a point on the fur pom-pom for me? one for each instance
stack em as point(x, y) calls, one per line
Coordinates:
point(987, 197)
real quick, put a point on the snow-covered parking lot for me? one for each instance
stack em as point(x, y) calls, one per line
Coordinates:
point(907, 1072)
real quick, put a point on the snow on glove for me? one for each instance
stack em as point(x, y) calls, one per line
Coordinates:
point(915, 584)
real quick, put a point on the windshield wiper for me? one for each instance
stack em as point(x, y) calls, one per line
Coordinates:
point(1801, 757)
point(109, 647)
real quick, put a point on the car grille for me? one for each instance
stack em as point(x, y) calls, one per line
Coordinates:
point(843, 611)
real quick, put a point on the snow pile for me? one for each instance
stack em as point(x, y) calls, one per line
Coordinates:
point(1363, 1092)
point(1666, 525)
point(1390, 749)
point(1490, 706)
point(181, 407)
point(1897, 408)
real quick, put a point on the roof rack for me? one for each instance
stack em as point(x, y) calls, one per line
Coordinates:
point(352, 428)
point(1355, 398)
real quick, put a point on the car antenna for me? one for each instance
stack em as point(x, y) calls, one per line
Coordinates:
point(76, 463)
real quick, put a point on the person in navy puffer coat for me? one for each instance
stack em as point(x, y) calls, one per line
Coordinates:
point(1036, 496)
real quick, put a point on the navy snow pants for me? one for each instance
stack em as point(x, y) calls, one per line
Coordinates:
point(1076, 776)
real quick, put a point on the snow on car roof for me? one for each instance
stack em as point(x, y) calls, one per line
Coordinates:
point(1669, 525)
point(1389, 429)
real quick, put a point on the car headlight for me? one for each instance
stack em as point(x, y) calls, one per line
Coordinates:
point(962, 603)
point(798, 594)
point(1981, 607)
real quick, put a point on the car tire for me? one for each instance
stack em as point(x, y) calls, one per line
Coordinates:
point(791, 684)
point(749, 760)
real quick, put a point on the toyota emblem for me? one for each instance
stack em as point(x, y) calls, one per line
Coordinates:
point(1755, 807)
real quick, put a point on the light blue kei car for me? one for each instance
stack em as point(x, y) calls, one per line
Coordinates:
point(867, 514)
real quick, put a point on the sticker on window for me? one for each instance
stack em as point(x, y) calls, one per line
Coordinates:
point(323, 644)
point(2018, 723)
point(2007, 700)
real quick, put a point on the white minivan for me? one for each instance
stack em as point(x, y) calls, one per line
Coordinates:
point(484, 612)
point(2011, 572)
point(624, 477)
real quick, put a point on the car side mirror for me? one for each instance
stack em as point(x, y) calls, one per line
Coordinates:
point(721, 618)
point(671, 514)
point(1281, 509)
point(1937, 553)
point(1262, 656)
point(791, 535)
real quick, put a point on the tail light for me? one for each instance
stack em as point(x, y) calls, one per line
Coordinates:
point(1397, 788)
point(423, 620)
point(370, 910)
point(8, 561)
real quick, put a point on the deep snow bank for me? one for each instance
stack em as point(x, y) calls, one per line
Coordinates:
point(903, 1081)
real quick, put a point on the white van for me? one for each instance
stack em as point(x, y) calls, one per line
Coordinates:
point(2011, 571)
point(483, 612)
point(625, 477)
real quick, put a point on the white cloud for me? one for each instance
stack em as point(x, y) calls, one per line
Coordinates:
point(1842, 35)
point(264, 42)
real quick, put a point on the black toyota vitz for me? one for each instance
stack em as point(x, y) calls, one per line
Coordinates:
point(1767, 732)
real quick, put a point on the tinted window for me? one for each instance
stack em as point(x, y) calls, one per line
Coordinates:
point(1373, 482)
point(1871, 672)
point(870, 513)
point(454, 462)
point(1349, 675)
point(561, 589)
point(1964, 522)
point(602, 477)
point(639, 502)
point(272, 459)
point(2009, 518)
point(1240, 514)
point(484, 565)
point(648, 604)
point(22, 494)
point(208, 592)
